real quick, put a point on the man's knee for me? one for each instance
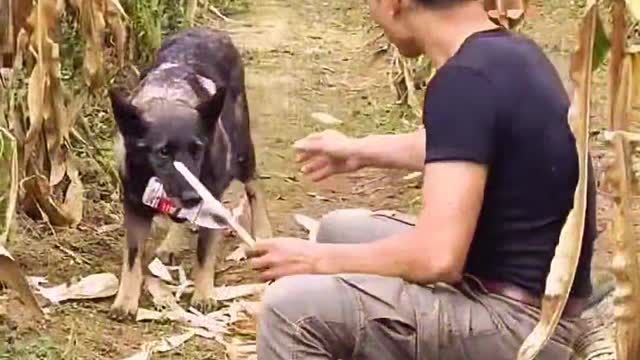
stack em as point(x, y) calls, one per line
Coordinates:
point(297, 297)
point(351, 226)
point(344, 226)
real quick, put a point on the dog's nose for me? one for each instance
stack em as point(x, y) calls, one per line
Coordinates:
point(190, 198)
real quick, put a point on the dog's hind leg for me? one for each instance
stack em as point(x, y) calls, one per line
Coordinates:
point(204, 271)
point(178, 239)
point(126, 302)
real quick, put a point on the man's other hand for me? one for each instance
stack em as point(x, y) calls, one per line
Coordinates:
point(327, 153)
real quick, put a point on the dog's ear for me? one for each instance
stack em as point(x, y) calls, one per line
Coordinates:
point(210, 109)
point(127, 116)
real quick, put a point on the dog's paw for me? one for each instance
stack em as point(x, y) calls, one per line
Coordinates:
point(204, 303)
point(122, 313)
point(124, 308)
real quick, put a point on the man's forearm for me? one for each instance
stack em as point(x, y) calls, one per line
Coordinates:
point(396, 256)
point(402, 151)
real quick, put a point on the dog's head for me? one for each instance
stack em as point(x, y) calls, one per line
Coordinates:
point(165, 133)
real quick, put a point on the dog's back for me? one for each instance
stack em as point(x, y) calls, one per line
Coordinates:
point(189, 66)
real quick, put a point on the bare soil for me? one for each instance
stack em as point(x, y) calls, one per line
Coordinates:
point(301, 57)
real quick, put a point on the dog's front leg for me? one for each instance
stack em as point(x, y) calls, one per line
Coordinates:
point(204, 272)
point(126, 302)
point(260, 223)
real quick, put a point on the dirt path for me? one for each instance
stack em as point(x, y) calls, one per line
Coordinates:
point(304, 59)
point(301, 57)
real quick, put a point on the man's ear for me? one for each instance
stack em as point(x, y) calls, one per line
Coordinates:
point(211, 109)
point(127, 116)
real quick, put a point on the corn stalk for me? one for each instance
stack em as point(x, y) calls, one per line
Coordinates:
point(593, 48)
point(620, 180)
point(8, 180)
point(565, 260)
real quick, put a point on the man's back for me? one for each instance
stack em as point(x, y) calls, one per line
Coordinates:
point(521, 132)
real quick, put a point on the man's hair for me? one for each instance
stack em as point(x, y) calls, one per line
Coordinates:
point(440, 4)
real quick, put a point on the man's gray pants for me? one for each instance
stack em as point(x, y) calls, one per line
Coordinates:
point(356, 316)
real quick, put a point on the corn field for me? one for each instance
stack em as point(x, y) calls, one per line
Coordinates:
point(60, 56)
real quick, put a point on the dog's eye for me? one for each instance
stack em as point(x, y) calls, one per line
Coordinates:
point(164, 151)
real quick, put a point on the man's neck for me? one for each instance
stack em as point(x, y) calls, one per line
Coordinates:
point(443, 32)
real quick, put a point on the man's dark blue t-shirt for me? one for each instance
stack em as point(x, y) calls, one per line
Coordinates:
point(500, 102)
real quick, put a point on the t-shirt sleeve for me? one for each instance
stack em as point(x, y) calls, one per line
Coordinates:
point(460, 116)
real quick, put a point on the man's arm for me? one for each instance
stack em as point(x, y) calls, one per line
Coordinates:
point(401, 151)
point(436, 249)
point(463, 120)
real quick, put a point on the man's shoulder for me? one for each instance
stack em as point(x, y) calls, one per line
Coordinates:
point(487, 50)
point(511, 65)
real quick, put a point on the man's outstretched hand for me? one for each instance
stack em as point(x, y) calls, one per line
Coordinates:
point(327, 153)
point(277, 257)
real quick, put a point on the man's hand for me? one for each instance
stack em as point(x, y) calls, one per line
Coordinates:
point(327, 153)
point(278, 257)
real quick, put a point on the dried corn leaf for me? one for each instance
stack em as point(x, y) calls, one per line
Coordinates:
point(73, 202)
point(115, 19)
point(192, 7)
point(165, 344)
point(160, 293)
point(92, 26)
point(39, 190)
point(11, 275)
point(94, 286)
point(509, 13)
point(413, 175)
point(624, 263)
point(50, 123)
point(8, 144)
point(239, 349)
point(565, 260)
point(635, 77)
point(158, 269)
point(326, 119)
point(6, 27)
point(615, 64)
point(238, 254)
point(225, 293)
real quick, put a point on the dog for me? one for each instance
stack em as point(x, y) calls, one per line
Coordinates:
point(190, 106)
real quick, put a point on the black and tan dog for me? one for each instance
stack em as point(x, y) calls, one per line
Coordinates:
point(190, 106)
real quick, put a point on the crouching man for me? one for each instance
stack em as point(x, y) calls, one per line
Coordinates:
point(465, 281)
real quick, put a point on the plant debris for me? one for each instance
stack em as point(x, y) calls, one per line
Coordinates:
point(90, 287)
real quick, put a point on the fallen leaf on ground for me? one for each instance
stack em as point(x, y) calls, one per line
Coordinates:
point(224, 293)
point(238, 349)
point(160, 293)
point(90, 287)
point(108, 228)
point(163, 345)
point(319, 197)
point(238, 254)
point(413, 175)
point(326, 118)
point(252, 308)
point(158, 269)
point(146, 314)
point(312, 225)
